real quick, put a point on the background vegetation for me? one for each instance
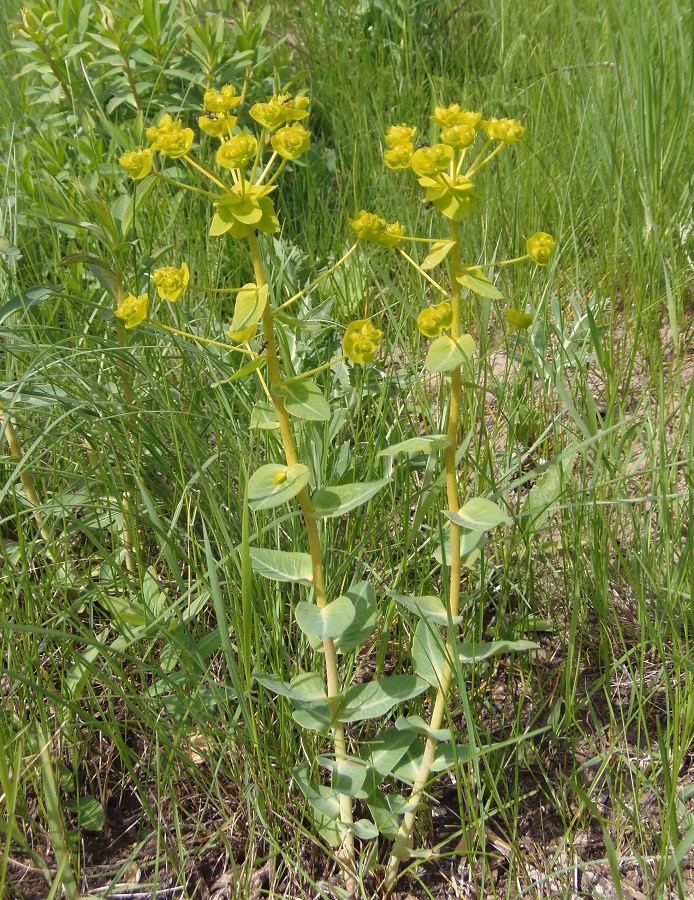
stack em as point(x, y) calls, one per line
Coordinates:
point(130, 731)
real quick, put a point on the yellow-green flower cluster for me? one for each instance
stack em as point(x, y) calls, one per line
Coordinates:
point(435, 319)
point(137, 163)
point(237, 152)
point(171, 282)
point(400, 141)
point(280, 110)
point(170, 138)
point(216, 124)
point(221, 101)
point(291, 141)
point(361, 341)
point(507, 131)
point(458, 126)
point(132, 309)
point(540, 247)
point(370, 227)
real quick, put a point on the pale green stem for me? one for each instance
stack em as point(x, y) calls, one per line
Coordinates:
point(211, 290)
point(423, 273)
point(318, 280)
point(187, 187)
point(202, 340)
point(479, 156)
point(421, 240)
point(278, 172)
point(290, 453)
point(403, 840)
point(477, 166)
point(206, 172)
point(258, 154)
point(504, 262)
point(267, 168)
point(295, 378)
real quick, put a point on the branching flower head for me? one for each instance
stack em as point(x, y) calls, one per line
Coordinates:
point(216, 124)
point(171, 282)
point(170, 138)
point(280, 110)
point(221, 101)
point(450, 116)
point(292, 141)
point(237, 152)
point(360, 341)
point(137, 163)
point(399, 157)
point(431, 161)
point(132, 309)
point(370, 227)
point(508, 131)
point(540, 247)
point(397, 135)
point(435, 319)
point(460, 137)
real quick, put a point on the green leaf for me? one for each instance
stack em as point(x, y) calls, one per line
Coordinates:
point(449, 755)
point(479, 514)
point(220, 225)
point(313, 716)
point(304, 400)
point(364, 830)
point(8, 249)
point(546, 492)
point(428, 653)
point(33, 296)
point(445, 354)
point(471, 544)
point(473, 653)
point(306, 687)
point(281, 565)
point(325, 803)
point(264, 417)
point(90, 813)
point(336, 501)
point(328, 622)
point(425, 444)
point(385, 750)
point(387, 810)
point(274, 484)
point(376, 698)
point(247, 370)
point(427, 607)
point(366, 615)
point(437, 254)
point(250, 305)
point(348, 774)
point(417, 725)
point(477, 281)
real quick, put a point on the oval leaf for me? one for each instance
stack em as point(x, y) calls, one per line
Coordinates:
point(304, 400)
point(264, 417)
point(428, 653)
point(280, 565)
point(472, 653)
point(445, 354)
point(477, 281)
point(471, 544)
point(336, 501)
point(417, 725)
point(376, 698)
point(366, 615)
point(274, 484)
point(438, 252)
point(250, 304)
point(425, 444)
point(328, 622)
point(430, 608)
point(479, 514)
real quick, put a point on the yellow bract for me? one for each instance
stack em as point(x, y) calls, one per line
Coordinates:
point(216, 124)
point(291, 141)
point(279, 110)
point(221, 101)
point(435, 319)
point(171, 282)
point(540, 247)
point(170, 138)
point(237, 151)
point(508, 131)
point(361, 341)
point(431, 161)
point(138, 163)
point(132, 309)
point(370, 227)
point(242, 337)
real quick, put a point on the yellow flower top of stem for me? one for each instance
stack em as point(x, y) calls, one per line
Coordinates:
point(221, 101)
point(460, 137)
point(370, 227)
point(132, 309)
point(397, 135)
point(540, 247)
point(216, 124)
point(450, 116)
point(292, 141)
point(237, 152)
point(508, 131)
point(431, 161)
point(435, 319)
point(399, 157)
point(360, 341)
point(279, 110)
point(171, 282)
point(137, 163)
point(170, 138)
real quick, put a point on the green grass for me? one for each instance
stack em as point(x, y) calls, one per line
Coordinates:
point(124, 657)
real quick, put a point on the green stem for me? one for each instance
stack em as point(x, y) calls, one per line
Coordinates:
point(196, 164)
point(475, 167)
point(403, 840)
point(423, 273)
point(202, 340)
point(295, 378)
point(187, 187)
point(333, 684)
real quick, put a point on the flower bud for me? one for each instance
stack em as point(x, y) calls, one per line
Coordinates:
point(291, 141)
point(237, 151)
point(171, 282)
point(508, 131)
point(431, 161)
point(137, 163)
point(216, 124)
point(540, 247)
point(279, 110)
point(400, 134)
point(361, 341)
point(221, 101)
point(132, 309)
